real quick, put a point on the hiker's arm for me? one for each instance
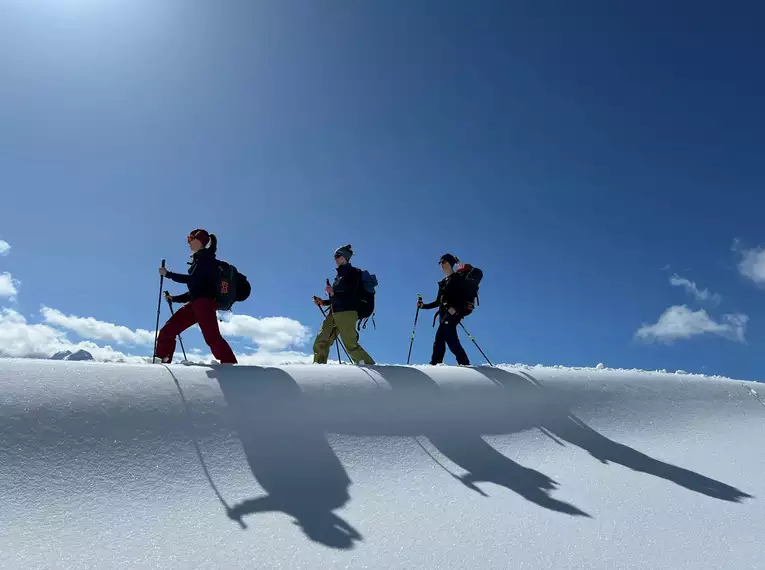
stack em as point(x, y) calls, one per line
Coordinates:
point(178, 277)
point(434, 304)
point(182, 298)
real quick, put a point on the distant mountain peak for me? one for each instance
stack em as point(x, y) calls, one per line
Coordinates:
point(80, 355)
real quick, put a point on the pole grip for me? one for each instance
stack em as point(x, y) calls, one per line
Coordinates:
point(163, 263)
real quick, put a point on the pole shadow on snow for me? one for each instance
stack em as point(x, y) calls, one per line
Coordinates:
point(563, 424)
point(457, 436)
point(288, 453)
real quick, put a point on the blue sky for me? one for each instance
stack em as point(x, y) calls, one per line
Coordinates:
point(580, 153)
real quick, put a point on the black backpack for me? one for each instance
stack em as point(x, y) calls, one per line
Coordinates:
point(232, 286)
point(471, 282)
point(366, 308)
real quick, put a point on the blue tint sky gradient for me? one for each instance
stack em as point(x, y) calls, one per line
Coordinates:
point(581, 153)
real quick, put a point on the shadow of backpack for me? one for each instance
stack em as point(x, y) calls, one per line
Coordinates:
point(469, 287)
point(366, 308)
point(232, 286)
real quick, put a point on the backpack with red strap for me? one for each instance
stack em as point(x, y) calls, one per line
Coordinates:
point(471, 281)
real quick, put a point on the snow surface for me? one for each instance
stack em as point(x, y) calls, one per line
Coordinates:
point(304, 466)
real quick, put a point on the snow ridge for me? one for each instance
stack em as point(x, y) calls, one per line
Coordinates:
point(307, 466)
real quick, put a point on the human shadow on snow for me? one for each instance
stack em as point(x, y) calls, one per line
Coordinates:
point(288, 454)
point(461, 442)
point(566, 426)
point(282, 431)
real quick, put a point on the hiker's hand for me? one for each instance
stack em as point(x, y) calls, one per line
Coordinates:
point(451, 311)
point(328, 289)
point(168, 297)
point(162, 271)
point(317, 301)
point(420, 304)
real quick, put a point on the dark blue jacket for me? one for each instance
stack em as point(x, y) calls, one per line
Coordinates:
point(202, 279)
point(345, 289)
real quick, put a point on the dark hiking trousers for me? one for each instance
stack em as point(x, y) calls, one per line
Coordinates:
point(446, 334)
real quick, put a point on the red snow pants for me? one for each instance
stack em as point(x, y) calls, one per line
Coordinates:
point(204, 312)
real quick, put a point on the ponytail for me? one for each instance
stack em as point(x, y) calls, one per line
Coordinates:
point(213, 247)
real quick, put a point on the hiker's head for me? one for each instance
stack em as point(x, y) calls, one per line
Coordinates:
point(447, 262)
point(200, 239)
point(343, 255)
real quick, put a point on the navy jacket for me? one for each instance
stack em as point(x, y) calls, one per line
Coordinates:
point(202, 279)
point(345, 289)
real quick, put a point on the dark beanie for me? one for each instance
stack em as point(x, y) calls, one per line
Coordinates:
point(344, 251)
point(450, 259)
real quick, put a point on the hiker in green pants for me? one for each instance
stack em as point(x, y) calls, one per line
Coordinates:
point(343, 303)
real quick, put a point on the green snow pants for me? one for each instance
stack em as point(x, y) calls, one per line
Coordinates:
point(345, 322)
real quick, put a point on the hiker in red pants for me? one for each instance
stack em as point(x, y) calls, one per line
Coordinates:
point(201, 306)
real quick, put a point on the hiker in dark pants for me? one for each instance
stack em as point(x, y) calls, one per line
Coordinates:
point(449, 303)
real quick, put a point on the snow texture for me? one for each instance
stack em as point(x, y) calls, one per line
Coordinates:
point(306, 466)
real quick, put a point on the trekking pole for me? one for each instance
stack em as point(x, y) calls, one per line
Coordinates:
point(159, 306)
point(170, 304)
point(416, 316)
point(476, 344)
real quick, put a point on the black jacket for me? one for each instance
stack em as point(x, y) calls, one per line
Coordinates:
point(451, 294)
point(202, 279)
point(345, 289)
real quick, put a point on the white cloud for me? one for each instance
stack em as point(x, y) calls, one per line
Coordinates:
point(19, 339)
point(90, 328)
point(704, 296)
point(679, 322)
point(5, 247)
point(269, 333)
point(9, 287)
point(752, 264)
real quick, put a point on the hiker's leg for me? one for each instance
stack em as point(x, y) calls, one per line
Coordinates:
point(175, 325)
point(346, 325)
point(453, 340)
point(324, 339)
point(439, 346)
point(206, 311)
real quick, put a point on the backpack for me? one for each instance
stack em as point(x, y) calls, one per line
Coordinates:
point(366, 308)
point(232, 286)
point(471, 281)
